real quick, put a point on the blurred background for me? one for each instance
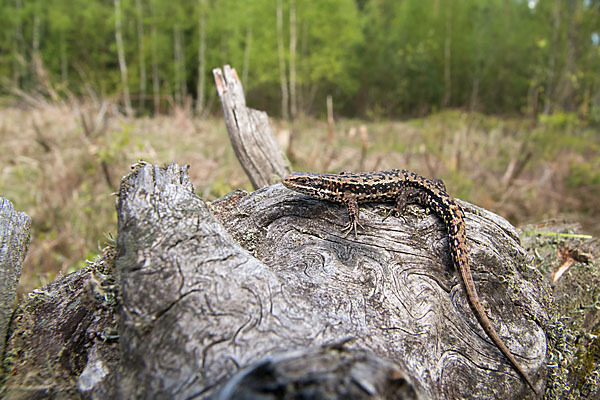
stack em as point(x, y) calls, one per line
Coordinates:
point(499, 98)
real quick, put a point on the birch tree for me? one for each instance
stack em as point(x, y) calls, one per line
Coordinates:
point(141, 53)
point(282, 69)
point(121, 55)
point(201, 56)
point(155, 77)
point(179, 65)
point(293, 41)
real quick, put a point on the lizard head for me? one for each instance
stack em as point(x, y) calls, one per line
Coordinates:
point(316, 185)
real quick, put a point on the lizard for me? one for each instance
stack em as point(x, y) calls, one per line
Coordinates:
point(404, 187)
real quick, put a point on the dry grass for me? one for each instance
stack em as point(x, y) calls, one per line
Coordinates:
point(526, 171)
point(64, 177)
point(61, 164)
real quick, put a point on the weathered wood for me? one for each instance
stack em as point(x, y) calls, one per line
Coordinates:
point(328, 372)
point(14, 241)
point(197, 305)
point(63, 342)
point(208, 289)
point(394, 289)
point(250, 132)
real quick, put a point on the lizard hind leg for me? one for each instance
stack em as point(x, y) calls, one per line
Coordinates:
point(405, 196)
point(353, 222)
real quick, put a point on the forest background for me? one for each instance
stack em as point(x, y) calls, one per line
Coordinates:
point(501, 99)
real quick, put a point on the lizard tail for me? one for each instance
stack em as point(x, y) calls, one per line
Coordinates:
point(465, 271)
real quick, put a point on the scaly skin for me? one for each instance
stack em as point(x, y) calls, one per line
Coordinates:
point(404, 187)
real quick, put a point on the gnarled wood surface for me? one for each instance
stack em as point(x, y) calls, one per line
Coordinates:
point(394, 289)
point(201, 300)
point(14, 241)
point(195, 305)
point(254, 293)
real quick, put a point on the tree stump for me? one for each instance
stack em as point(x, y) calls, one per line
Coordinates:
point(14, 241)
point(207, 289)
point(260, 294)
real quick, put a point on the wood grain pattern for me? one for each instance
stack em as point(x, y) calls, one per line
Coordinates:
point(403, 187)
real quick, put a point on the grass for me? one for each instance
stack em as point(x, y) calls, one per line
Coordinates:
point(61, 164)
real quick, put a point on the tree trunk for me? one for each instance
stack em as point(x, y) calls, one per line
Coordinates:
point(550, 80)
point(565, 91)
point(282, 70)
point(19, 48)
point(64, 62)
point(448, 58)
point(35, 37)
point(142, 53)
point(201, 57)
point(247, 51)
point(479, 60)
point(179, 65)
point(155, 77)
point(121, 55)
point(293, 41)
point(36, 59)
point(197, 306)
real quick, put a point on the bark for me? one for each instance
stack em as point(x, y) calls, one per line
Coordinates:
point(141, 51)
point(282, 70)
point(196, 303)
point(394, 290)
point(328, 369)
point(250, 133)
point(14, 241)
point(64, 341)
point(121, 56)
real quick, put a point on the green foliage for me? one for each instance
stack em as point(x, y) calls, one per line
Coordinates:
point(375, 57)
point(560, 120)
point(112, 148)
point(585, 174)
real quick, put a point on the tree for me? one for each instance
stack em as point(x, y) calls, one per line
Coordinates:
point(121, 55)
point(141, 52)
